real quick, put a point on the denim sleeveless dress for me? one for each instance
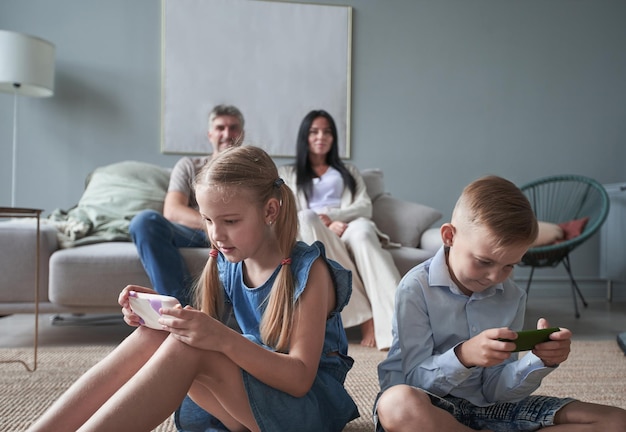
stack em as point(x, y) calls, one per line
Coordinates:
point(327, 406)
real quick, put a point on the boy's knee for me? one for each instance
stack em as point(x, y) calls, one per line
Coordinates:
point(401, 405)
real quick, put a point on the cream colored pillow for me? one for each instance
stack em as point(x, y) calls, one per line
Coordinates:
point(548, 234)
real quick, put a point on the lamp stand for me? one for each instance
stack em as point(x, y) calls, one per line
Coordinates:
point(16, 86)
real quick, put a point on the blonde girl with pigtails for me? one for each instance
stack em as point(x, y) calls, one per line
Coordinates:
point(284, 371)
point(279, 312)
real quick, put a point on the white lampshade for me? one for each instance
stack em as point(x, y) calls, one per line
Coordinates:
point(27, 61)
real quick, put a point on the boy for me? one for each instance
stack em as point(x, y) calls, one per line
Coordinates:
point(447, 370)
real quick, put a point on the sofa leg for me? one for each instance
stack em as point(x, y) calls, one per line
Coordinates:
point(85, 320)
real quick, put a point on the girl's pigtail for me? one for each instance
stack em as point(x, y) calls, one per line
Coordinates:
point(278, 316)
point(208, 293)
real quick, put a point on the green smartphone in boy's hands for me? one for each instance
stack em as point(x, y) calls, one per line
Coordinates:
point(527, 339)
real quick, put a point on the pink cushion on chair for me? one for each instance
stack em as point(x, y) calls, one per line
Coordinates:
point(573, 228)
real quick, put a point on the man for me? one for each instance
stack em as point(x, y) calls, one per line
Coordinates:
point(158, 237)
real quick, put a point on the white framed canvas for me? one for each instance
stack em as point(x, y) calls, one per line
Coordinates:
point(275, 61)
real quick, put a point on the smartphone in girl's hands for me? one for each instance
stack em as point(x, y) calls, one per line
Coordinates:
point(147, 307)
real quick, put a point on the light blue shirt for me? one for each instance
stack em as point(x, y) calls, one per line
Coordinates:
point(432, 316)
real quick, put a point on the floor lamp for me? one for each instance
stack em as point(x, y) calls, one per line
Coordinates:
point(26, 69)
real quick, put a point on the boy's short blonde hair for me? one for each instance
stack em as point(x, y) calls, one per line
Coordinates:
point(498, 205)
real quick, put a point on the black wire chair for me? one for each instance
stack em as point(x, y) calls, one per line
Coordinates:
point(558, 199)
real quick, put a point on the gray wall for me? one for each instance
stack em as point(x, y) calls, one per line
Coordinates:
point(444, 91)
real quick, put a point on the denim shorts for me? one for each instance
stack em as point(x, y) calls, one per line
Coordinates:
point(529, 414)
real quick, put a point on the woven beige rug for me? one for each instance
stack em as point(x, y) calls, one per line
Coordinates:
point(595, 372)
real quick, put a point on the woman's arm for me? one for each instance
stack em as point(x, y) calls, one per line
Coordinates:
point(292, 373)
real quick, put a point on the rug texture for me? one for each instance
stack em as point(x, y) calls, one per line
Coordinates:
point(595, 372)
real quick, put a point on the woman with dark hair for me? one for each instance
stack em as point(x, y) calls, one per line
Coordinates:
point(334, 208)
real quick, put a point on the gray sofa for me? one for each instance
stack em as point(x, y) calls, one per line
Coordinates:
point(87, 277)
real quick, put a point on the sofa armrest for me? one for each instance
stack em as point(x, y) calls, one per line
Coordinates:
point(403, 221)
point(17, 260)
point(431, 240)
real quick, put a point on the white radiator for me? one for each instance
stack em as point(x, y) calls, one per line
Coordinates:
point(613, 236)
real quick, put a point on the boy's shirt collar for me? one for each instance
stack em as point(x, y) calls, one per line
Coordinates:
point(439, 276)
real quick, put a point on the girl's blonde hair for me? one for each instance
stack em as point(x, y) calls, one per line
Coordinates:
point(251, 168)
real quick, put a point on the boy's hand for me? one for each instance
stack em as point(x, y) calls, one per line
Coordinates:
point(555, 351)
point(485, 349)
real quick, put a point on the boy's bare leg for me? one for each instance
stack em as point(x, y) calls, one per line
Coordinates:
point(403, 408)
point(580, 416)
point(97, 385)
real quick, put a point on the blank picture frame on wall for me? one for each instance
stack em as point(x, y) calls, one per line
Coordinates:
point(275, 61)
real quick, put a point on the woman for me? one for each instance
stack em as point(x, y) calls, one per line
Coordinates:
point(334, 208)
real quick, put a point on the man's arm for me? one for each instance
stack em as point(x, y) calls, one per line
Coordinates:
point(176, 209)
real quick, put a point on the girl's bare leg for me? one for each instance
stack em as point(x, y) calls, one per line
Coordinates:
point(97, 385)
point(223, 394)
point(157, 389)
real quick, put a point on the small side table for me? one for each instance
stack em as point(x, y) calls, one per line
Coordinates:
point(16, 212)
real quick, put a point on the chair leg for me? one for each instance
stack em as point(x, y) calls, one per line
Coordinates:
point(575, 289)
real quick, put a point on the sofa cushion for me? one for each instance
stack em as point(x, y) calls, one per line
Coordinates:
point(403, 221)
point(374, 183)
point(112, 264)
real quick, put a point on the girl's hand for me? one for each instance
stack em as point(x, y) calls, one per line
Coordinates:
point(194, 327)
point(555, 351)
point(131, 318)
point(485, 349)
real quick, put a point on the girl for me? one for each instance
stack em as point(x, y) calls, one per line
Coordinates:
point(285, 372)
point(335, 209)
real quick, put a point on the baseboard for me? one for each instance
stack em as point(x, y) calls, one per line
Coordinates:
point(591, 287)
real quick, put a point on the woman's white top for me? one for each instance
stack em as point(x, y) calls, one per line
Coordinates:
point(327, 191)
